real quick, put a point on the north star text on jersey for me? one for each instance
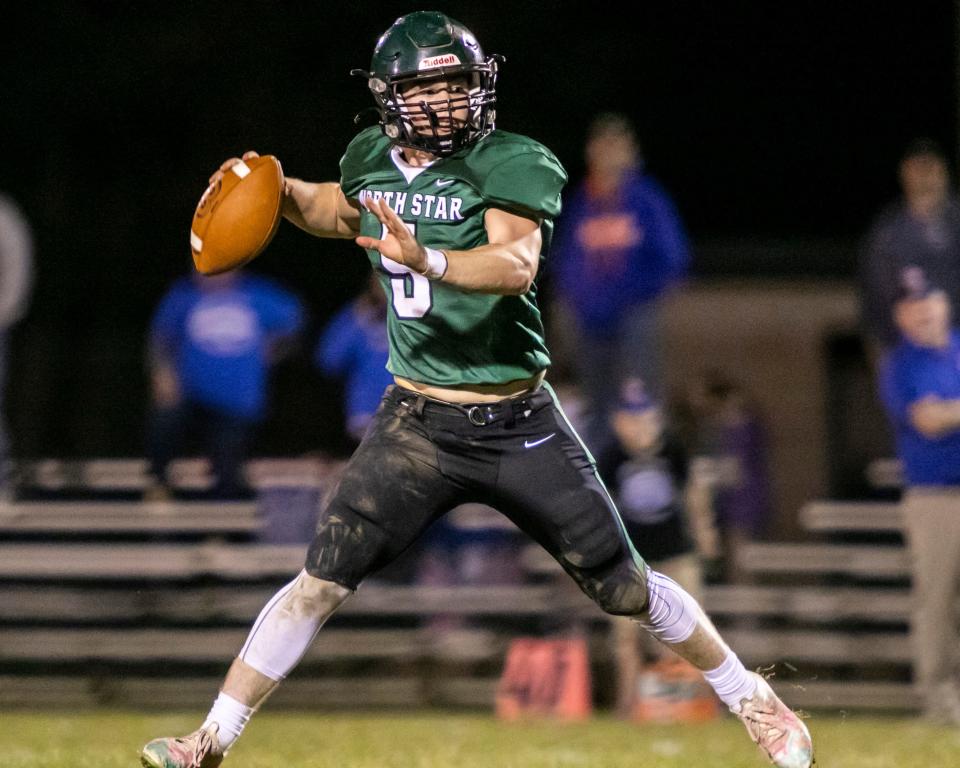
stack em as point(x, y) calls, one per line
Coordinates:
point(439, 207)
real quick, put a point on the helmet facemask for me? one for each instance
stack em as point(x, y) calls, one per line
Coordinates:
point(432, 123)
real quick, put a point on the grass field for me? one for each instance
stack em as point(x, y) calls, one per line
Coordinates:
point(111, 740)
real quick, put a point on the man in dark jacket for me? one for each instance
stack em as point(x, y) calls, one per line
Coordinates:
point(920, 231)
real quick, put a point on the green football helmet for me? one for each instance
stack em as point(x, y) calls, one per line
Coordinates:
point(424, 47)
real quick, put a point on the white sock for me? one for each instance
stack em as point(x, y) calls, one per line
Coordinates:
point(231, 716)
point(731, 681)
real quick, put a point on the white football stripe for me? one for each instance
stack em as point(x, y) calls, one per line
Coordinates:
point(196, 242)
point(241, 169)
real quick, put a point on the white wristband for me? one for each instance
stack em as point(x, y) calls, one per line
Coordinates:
point(436, 264)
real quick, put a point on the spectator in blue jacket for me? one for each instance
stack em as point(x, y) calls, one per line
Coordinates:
point(920, 385)
point(620, 247)
point(353, 348)
point(212, 343)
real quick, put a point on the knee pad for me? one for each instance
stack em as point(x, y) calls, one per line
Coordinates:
point(672, 614)
point(288, 623)
point(622, 591)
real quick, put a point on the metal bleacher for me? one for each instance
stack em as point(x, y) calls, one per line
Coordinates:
point(844, 600)
point(105, 599)
point(829, 614)
point(129, 603)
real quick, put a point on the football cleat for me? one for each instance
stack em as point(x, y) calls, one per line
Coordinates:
point(201, 749)
point(775, 728)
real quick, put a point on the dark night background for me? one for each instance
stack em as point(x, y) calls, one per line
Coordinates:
point(775, 126)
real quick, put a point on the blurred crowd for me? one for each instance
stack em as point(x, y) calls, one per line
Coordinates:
point(910, 287)
point(687, 467)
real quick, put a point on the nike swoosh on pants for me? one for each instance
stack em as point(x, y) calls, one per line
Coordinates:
point(528, 444)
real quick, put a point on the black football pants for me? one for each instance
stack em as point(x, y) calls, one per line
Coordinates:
point(422, 457)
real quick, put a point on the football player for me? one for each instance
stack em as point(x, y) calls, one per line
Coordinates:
point(454, 216)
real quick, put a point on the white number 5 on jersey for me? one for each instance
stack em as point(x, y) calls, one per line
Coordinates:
point(412, 292)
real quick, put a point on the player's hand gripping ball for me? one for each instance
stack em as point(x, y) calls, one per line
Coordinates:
point(238, 214)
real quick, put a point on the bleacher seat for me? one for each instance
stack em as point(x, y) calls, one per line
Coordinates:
point(145, 621)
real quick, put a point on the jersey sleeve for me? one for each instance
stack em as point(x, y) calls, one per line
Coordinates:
point(366, 148)
point(529, 182)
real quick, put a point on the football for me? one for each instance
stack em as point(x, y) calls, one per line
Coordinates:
point(237, 216)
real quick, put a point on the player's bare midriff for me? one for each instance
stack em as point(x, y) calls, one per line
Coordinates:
point(474, 393)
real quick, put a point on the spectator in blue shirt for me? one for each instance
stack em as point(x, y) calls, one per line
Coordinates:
point(353, 348)
point(212, 343)
point(920, 386)
point(620, 247)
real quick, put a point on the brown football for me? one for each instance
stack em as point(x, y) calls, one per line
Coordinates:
point(237, 216)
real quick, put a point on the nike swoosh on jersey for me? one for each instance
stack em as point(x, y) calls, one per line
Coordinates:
point(442, 183)
point(528, 444)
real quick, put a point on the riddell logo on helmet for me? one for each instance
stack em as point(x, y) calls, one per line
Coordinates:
point(446, 60)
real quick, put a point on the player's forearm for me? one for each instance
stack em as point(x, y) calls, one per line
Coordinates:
point(507, 269)
point(317, 208)
point(505, 266)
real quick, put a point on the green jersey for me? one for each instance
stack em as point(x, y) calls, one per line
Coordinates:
point(438, 333)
